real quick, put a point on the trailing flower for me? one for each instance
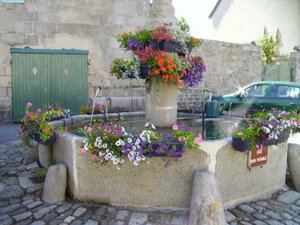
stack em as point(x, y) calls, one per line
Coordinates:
point(195, 72)
point(38, 121)
point(260, 127)
point(173, 69)
point(110, 142)
point(163, 33)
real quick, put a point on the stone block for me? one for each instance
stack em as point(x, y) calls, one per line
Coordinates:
point(13, 38)
point(32, 155)
point(5, 116)
point(32, 39)
point(5, 81)
point(55, 184)
point(31, 16)
point(23, 27)
point(45, 155)
point(206, 203)
point(9, 15)
point(294, 163)
point(45, 28)
point(6, 26)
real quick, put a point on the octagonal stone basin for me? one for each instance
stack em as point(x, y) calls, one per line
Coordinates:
point(152, 185)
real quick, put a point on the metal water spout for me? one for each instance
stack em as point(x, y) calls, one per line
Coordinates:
point(93, 107)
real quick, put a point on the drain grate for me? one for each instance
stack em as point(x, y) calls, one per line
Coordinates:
point(238, 213)
point(38, 180)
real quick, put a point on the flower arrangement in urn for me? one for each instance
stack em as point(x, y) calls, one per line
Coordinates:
point(174, 69)
point(109, 142)
point(36, 126)
point(264, 128)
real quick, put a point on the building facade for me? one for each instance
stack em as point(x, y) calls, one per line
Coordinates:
point(244, 21)
point(93, 26)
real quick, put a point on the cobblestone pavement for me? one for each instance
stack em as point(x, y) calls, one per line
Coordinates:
point(21, 204)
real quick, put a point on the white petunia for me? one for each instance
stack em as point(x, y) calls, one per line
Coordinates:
point(136, 163)
point(137, 141)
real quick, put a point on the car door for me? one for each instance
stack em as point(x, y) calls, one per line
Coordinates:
point(285, 97)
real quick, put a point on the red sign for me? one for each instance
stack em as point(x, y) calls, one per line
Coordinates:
point(258, 157)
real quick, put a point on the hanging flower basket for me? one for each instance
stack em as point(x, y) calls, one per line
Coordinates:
point(144, 72)
point(154, 44)
point(49, 141)
point(167, 46)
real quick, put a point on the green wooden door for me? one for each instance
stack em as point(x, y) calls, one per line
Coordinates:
point(46, 77)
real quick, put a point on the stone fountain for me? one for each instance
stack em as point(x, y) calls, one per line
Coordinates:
point(161, 99)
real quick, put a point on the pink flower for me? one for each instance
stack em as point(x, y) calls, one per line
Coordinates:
point(175, 126)
point(39, 110)
point(229, 130)
point(29, 104)
point(89, 129)
point(259, 147)
point(198, 139)
point(93, 157)
point(83, 151)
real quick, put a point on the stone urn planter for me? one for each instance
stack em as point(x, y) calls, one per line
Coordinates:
point(294, 163)
point(161, 102)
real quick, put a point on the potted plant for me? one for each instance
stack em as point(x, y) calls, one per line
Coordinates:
point(164, 37)
point(35, 126)
point(124, 69)
point(124, 39)
point(263, 128)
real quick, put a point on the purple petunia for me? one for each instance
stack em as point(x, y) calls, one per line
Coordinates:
point(134, 44)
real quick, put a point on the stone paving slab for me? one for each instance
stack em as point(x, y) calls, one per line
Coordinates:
point(22, 204)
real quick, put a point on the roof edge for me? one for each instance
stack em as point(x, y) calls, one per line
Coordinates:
point(214, 9)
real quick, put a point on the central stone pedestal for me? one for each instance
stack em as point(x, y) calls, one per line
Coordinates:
point(161, 103)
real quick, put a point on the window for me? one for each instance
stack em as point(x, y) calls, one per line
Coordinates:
point(259, 90)
point(283, 91)
point(12, 1)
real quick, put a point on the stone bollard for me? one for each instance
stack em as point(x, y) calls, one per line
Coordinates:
point(45, 155)
point(55, 184)
point(206, 203)
point(294, 163)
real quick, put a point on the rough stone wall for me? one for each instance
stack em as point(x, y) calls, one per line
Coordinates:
point(228, 66)
point(294, 59)
point(91, 25)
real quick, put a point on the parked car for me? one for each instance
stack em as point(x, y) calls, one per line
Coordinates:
point(265, 95)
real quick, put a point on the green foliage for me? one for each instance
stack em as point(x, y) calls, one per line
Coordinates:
point(268, 46)
point(184, 26)
point(123, 68)
point(124, 39)
point(143, 36)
